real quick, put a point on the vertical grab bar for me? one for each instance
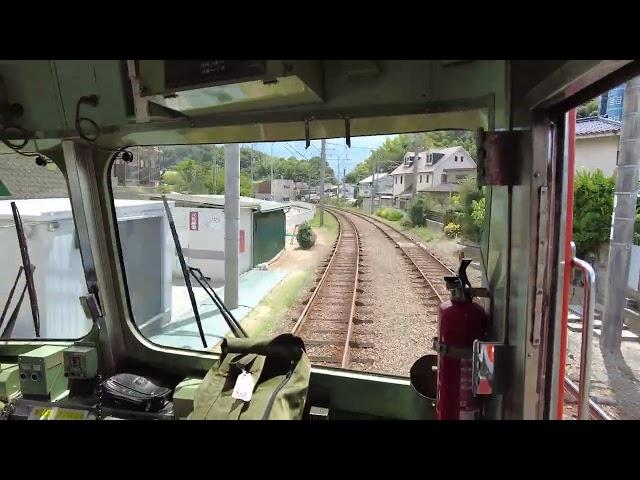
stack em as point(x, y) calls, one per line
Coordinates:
point(588, 313)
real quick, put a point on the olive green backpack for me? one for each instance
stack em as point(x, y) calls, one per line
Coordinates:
point(277, 388)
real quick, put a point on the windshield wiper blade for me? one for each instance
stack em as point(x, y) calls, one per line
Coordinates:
point(8, 330)
point(28, 269)
point(185, 271)
point(233, 324)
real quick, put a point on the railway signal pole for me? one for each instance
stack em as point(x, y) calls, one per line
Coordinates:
point(624, 215)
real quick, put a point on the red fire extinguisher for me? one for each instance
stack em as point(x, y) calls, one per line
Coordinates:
point(460, 322)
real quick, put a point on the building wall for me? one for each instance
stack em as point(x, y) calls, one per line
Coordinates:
point(204, 247)
point(459, 160)
point(597, 152)
point(403, 185)
point(269, 235)
point(384, 184)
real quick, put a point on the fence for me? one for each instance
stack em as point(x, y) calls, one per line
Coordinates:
point(434, 216)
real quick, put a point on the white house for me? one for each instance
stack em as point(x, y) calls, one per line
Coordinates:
point(384, 185)
point(277, 190)
point(439, 171)
point(597, 144)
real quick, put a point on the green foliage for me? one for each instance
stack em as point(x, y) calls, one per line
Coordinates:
point(467, 210)
point(592, 210)
point(452, 230)
point(170, 177)
point(417, 211)
point(306, 237)
point(391, 152)
point(589, 109)
point(390, 214)
point(406, 223)
point(477, 212)
point(636, 229)
point(192, 177)
point(196, 178)
point(254, 164)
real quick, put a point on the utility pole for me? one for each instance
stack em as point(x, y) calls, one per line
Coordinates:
point(338, 192)
point(373, 185)
point(214, 170)
point(414, 187)
point(624, 215)
point(271, 163)
point(322, 159)
point(231, 223)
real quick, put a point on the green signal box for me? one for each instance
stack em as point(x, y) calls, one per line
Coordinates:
point(9, 381)
point(42, 372)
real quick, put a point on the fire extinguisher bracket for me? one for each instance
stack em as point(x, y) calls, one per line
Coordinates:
point(450, 351)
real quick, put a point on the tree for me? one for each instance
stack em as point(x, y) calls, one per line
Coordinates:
point(192, 177)
point(592, 207)
point(589, 109)
point(468, 209)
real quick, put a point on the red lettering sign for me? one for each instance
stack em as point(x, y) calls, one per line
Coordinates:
point(193, 220)
point(241, 241)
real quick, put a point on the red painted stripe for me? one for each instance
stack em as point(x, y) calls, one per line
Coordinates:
point(566, 284)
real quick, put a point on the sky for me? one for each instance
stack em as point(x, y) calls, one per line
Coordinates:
point(361, 148)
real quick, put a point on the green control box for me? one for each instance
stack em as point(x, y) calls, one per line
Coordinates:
point(9, 381)
point(80, 363)
point(42, 372)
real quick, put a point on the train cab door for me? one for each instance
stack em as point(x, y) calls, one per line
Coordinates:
point(529, 260)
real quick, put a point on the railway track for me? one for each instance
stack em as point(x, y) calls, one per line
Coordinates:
point(432, 272)
point(326, 323)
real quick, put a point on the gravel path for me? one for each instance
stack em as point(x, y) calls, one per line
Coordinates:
point(393, 318)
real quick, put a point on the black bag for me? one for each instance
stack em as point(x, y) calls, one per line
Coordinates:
point(130, 391)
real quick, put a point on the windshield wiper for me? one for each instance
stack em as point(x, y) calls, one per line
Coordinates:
point(185, 272)
point(28, 270)
point(233, 324)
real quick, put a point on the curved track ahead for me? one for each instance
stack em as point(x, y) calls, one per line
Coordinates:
point(326, 323)
point(432, 271)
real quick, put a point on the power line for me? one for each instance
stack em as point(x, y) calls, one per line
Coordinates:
point(302, 155)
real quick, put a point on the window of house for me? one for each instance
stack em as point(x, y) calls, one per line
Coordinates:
point(430, 159)
point(456, 158)
point(400, 180)
point(420, 178)
point(444, 178)
point(461, 159)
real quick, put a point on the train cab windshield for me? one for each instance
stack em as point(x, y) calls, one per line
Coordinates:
point(301, 239)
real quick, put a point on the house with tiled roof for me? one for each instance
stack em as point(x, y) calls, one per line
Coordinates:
point(597, 144)
point(24, 179)
point(439, 171)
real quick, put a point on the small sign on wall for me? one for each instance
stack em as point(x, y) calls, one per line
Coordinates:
point(241, 241)
point(193, 221)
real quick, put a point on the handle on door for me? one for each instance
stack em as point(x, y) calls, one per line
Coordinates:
point(588, 313)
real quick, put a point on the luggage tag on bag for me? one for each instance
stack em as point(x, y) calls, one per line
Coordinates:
point(244, 387)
